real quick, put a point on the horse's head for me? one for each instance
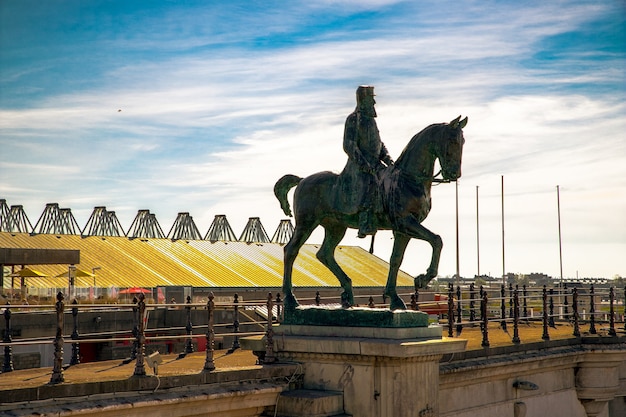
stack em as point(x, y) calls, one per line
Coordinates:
point(450, 148)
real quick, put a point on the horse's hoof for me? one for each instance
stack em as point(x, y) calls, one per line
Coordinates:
point(396, 303)
point(290, 303)
point(347, 299)
point(421, 281)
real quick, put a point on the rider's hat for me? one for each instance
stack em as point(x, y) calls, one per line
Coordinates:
point(363, 91)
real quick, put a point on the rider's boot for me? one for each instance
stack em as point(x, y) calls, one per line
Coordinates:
point(366, 226)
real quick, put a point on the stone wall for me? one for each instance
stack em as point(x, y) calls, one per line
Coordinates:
point(556, 380)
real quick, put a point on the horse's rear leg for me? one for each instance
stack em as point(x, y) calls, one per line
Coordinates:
point(400, 242)
point(326, 255)
point(300, 234)
point(415, 230)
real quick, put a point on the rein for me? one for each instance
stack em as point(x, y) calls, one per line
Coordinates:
point(436, 181)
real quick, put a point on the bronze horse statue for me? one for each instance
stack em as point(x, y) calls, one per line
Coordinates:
point(404, 190)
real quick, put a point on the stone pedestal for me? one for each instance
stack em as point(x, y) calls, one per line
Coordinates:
point(381, 371)
point(597, 380)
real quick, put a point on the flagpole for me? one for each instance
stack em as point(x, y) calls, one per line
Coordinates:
point(558, 208)
point(458, 268)
point(477, 238)
point(502, 198)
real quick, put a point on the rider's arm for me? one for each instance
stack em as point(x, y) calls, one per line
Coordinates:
point(350, 143)
point(384, 155)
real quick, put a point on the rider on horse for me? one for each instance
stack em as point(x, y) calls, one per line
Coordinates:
point(366, 152)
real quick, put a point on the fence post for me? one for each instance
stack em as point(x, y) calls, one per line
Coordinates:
point(482, 292)
point(269, 334)
point(188, 330)
point(551, 318)
point(524, 301)
point(575, 309)
point(7, 366)
point(592, 311)
point(57, 370)
point(413, 303)
point(544, 297)
point(612, 312)
point(459, 313)
point(565, 303)
point(235, 345)
point(516, 339)
point(510, 300)
point(472, 305)
point(135, 332)
point(502, 307)
point(140, 368)
point(278, 303)
point(75, 360)
point(485, 322)
point(209, 364)
point(450, 308)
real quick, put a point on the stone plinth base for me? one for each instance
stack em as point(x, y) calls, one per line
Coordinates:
point(355, 317)
point(381, 371)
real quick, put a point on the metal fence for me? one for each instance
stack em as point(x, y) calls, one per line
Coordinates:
point(459, 308)
point(140, 334)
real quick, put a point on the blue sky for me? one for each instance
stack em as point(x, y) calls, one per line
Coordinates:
point(193, 106)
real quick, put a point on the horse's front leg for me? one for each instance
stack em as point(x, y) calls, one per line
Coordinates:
point(422, 280)
point(410, 226)
point(334, 232)
point(400, 242)
point(300, 235)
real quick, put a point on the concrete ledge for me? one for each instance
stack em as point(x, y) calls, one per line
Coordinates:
point(355, 317)
point(234, 399)
point(147, 383)
point(309, 403)
point(390, 348)
point(415, 333)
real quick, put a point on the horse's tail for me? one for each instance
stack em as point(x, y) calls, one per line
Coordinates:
point(282, 187)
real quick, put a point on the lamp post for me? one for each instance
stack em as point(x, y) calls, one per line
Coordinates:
point(71, 273)
point(93, 272)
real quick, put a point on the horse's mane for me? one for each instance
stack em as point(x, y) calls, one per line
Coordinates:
point(417, 141)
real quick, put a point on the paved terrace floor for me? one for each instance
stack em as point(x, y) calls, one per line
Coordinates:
point(243, 359)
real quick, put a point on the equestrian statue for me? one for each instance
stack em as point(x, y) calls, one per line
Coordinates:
point(372, 193)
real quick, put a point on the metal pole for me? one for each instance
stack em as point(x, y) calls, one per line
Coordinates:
point(546, 335)
point(575, 308)
point(612, 331)
point(458, 264)
point(477, 238)
point(140, 368)
point(75, 360)
point(235, 345)
point(558, 208)
point(450, 308)
point(516, 339)
point(209, 363)
point(485, 321)
point(93, 271)
point(7, 365)
point(188, 329)
point(592, 311)
point(57, 371)
point(269, 334)
point(502, 217)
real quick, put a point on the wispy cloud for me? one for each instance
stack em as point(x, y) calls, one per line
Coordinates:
point(202, 109)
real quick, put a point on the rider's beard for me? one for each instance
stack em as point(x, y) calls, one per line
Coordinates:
point(368, 111)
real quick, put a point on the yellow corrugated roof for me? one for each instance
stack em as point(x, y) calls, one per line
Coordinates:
point(149, 263)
